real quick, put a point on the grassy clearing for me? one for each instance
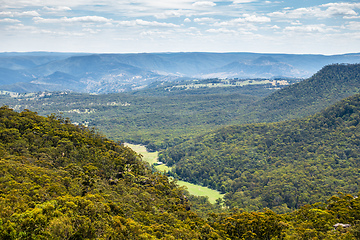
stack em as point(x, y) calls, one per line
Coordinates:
point(152, 157)
point(201, 191)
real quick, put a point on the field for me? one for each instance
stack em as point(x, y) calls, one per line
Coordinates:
point(152, 157)
point(201, 191)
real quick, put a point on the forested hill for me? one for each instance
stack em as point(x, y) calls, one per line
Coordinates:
point(280, 165)
point(329, 85)
point(60, 181)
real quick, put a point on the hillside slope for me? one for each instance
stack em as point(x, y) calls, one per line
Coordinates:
point(280, 165)
point(329, 85)
point(60, 181)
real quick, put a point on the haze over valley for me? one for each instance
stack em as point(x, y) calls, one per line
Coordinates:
point(107, 73)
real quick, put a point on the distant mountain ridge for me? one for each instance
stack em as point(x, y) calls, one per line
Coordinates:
point(105, 73)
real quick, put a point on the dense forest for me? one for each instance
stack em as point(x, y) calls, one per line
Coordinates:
point(282, 165)
point(61, 181)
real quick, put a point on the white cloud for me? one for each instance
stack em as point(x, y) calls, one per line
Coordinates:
point(164, 4)
point(152, 34)
point(60, 33)
point(315, 28)
point(9, 20)
point(243, 1)
point(204, 4)
point(6, 14)
point(20, 27)
point(205, 19)
point(172, 13)
point(268, 2)
point(296, 22)
point(342, 9)
point(187, 20)
point(351, 17)
point(353, 26)
point(20, 14)
point(57, 9)
point(220, 30)
point(40, 3)
point(256, 19)
point(140, 22)
point(297, 13)
point(245, 19)
point(96, 19)
point(323, 11)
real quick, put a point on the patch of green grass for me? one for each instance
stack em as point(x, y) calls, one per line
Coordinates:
point(163, 168)
point(152, 157)
point(201, 191)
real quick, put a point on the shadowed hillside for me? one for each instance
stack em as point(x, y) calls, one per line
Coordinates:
point(280, 165)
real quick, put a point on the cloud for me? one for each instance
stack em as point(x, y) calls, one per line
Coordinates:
point(96, 19)
point(59, 33)
point(9, 20)
point(296, 22)
point(323, 11)
point(159, 34)
point(20, 14)
point(256, 19)
point(353, 26)
point(341, 9)
point(140, 22)
point(247, 18)
point(187, 20)
point(41, 3)
point(221, 30)
point(243, 1)
point(172, 13)
point(204, 4)
point(57, 9)
point(313, 28)
point(20, 27)
point(205, 19)
point(297, 13)
point(162, 4)
point(351, 17)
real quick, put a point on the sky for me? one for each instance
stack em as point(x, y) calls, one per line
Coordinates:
point(133, 26)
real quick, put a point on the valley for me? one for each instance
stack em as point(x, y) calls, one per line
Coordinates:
point(152, 159)
point(278, 154)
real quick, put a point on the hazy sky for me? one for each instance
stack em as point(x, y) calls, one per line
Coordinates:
point(289, 26)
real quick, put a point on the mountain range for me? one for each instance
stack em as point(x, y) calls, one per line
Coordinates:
point(107, 73)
